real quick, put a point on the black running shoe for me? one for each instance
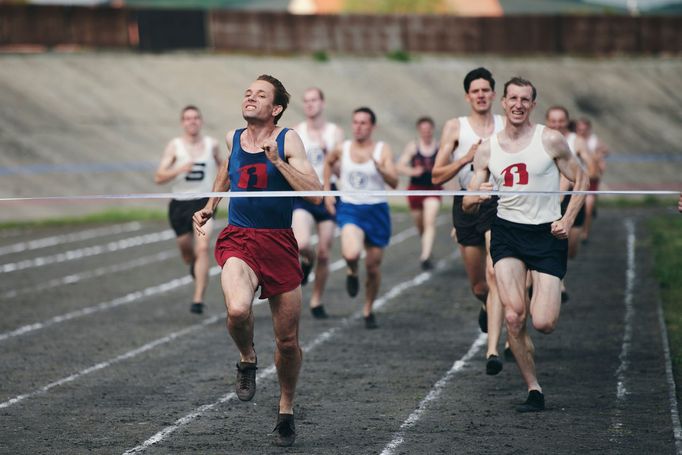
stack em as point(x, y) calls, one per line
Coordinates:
point(509, 355)
point(318, 312)
point(191, 269)
point(371, 322)
point(493, 366)
point(285, 430)
point(246, 380)
point(426, 265)
point(564, 296)
point(306, 267)
point(534, 403)
point(196, 308)
point(483, 320)
point(352, 285)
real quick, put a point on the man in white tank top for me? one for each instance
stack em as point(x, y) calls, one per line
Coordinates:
point(319, 137)
point(190, 162)
point(365, 221)
point(459, 142)
point(529, 232)
point(599, 151)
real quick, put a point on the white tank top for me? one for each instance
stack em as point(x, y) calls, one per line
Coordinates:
point(467, 138)
point(361, 177)
point(200, 178)
point(531, 169)
point(317, 152)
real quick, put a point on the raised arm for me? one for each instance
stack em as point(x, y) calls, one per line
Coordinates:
point(403, 165)
point(386, 167)
point(297, 170)
point(569, 167)
point(167, 170)
point(479, 179)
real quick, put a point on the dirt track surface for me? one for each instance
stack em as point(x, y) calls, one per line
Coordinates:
point(357, 387)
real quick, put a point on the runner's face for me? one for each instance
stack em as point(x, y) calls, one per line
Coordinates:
point(312, 104)
point(518, 104)
point(480, 96)
point(258, 102)
point(425, 130)
point(583, 129)
point(191, 122)
point(556, 119)
point(362, 126)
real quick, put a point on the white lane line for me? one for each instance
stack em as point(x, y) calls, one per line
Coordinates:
point(98, 272)
point(81, 253)
point(100, 366)
point(433, 395)
point(270, 370)
point(672, 395)
point(621, 371)
point(70, 238)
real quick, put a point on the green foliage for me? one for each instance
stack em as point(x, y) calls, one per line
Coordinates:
point(399, 56)
point(114, 215)
point(667, 245)
point(320, 56)
point(394, 6)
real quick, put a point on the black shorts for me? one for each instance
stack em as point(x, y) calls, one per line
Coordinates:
point(180, 214)
point(534, 245)
point(580, 217)
point(470, 228)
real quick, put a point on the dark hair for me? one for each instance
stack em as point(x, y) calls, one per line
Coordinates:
point(189, 107)
point(310, 89)
point(478, 73)
point(584, 120)
point(369, 111)
point(426, 119)
point(521, 82)
point(558, 108)
point(281, 94)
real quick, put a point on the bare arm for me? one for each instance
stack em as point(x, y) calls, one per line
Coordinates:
point(297, 169)
point(588, 158)
point(444, 169)
point(221, 184)
point(569, 167)
point(330, 163)
point(386, 167)
point(403, 166)
point(479, 179)
point(167, 170)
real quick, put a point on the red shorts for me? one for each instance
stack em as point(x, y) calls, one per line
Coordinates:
point(417, 202)
point(271, 253)
point(594, 184)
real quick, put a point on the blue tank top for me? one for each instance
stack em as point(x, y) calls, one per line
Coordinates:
point(255, 172)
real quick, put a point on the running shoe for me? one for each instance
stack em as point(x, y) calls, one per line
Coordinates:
point(285, 430)
point(534, 403)
point(352, 285)
point(306, 267)
point(371, 322)
point(318, 312)
point(509, 355)
point(426, 265)
point(196, 308)
point(246, 380)
point(483, 319)
point(493, 366)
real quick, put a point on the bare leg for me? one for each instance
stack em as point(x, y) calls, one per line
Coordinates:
point(301, 224)
point(590, 202)
point(373, 265)
point(201, 262)
point(429, 214)
point(418, 218)
point(352, 242)
point(493, 304)
point(574, 236)
point(474, 258)
point(186, 247)
point(325, 233)
point(286, 312)
point(239, 284)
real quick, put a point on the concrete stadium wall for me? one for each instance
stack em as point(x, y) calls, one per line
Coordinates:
point(277, 32)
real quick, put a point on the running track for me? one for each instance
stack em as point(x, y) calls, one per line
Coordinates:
point(99, 354)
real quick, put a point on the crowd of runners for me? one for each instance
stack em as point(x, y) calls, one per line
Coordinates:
point(514, 248)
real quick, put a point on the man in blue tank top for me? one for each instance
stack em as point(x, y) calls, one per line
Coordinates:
point(258, 247)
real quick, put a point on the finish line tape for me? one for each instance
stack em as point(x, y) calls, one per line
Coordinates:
point(390, 193)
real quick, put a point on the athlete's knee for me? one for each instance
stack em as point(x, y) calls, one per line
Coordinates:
point(373, 269)
point(515, 321)
point(544, 325)
point(351, 257)
point(238, 314)
point(480, 290)
point(201, 249)
point(287, 345)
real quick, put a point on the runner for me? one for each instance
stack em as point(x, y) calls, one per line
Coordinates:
point(599, 152)
point(417, 162)
point(190, 162)
point(319, 137)
point(365, 165)
point(529, 232)
point(258, 247)
point(459, 142)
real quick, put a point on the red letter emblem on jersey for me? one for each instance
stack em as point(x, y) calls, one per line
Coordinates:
point(515, 169)
point(253, 176)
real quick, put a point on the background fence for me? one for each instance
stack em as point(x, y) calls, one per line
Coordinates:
point(278, 32)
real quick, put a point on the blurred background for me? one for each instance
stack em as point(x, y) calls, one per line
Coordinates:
point(91, 91)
